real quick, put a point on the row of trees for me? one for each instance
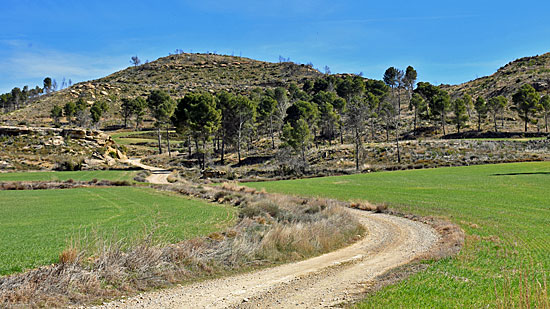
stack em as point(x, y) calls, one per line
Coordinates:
point(431, 103)
point(80, 113)
point(330, 109)
point(19, 97)
point(320, 111)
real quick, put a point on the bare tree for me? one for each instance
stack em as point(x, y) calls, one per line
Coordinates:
point(135, 61)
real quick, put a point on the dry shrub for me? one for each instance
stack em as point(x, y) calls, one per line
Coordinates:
point(364, 205)
point(173, 177)
point(68, 184)
point(68, 255)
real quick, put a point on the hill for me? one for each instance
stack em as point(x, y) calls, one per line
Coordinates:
point(176, 74)
point(509, 78)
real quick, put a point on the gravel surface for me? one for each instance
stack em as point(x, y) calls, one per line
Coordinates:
point(158, 175)
point(324, 281)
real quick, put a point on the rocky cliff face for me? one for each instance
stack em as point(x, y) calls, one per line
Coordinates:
point(38, 148)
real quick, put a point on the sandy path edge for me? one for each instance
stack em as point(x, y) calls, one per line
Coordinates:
point(324, 281)
point(158, 175)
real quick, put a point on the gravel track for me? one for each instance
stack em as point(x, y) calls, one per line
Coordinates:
point(158, 175)
point(324, 281)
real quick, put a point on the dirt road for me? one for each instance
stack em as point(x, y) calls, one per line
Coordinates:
point(323, 281)
point(158, 175)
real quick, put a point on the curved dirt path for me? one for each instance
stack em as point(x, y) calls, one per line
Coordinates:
point(158, 175)
point(324, 281)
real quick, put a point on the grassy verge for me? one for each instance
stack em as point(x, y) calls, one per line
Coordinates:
point(63, 176)
point(504, 209)
point(35, 226)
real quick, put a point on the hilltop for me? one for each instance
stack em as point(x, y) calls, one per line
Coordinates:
point(177, 74)
point(509, 78)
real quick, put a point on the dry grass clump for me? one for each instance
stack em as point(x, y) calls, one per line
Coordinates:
point(142, 176)
point(364, 205)
point(524, 287)
point(68, 184)
point(271, 229)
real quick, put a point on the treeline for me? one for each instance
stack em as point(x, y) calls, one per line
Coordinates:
point(323, 111)
point(430, 102)
point(331, 109)
point(80, 113)
point(18, 98)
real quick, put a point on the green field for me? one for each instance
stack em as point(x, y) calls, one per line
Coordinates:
point(122, 138)
point(62, 176)
point(35, 226)
point(504, 209)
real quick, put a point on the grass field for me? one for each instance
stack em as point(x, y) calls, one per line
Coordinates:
point(122, 138)
point(504, 209)
point(35, 226)
point(62, 176)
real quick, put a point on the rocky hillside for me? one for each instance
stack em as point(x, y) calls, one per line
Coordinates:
point(176, 74)
point(31, 148)
point(509, 78)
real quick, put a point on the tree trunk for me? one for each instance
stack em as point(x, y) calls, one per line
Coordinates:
point(415, 116)
point(478, 122)
point(546, 122)
point(214, 144)
point(341, 133)
point(304, 153)
point(397, 144)
point(189, 146)
point(398, 105)
point(159, 140)
point(271, 131)
point(526, 119)
point(204, 154)
point(387, 132)
point(495, 120)
point(168, 142)
point(223, 148)
point(357, 142)
point(239, 145)
point(197, 149)
point(372, 128)
point(443, 123)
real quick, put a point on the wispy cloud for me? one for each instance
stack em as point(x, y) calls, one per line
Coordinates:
point(396, 19)
point(20, 62)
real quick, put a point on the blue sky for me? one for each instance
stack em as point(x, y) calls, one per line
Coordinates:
point(446, 41)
